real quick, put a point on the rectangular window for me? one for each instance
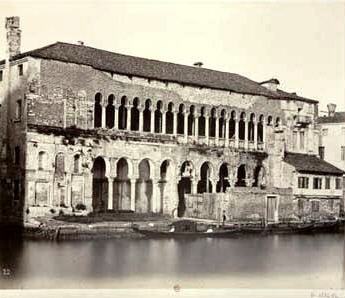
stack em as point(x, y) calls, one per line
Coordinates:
point(322, 152)
point(324, 131)
point(315, 206)
point(338, 183)
point(342, 152)
point(303, 182)
point(331, 204)
point(301, 140)
point(20, 69)
point(343, 130)
point(300, 205)
point(317, 183)
point(17, 155)
point(294, 140)
point(1, 75)
point(19, 109)
point(327, 183)
point(16, 190)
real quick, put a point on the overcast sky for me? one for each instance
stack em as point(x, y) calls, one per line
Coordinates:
point(300, 43)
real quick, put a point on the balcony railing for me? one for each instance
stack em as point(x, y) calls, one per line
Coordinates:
point(241, 144)
point(302, 119)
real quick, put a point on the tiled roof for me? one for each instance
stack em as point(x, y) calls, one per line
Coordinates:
point(306, 163)
point(337, 118)
point(154, 69)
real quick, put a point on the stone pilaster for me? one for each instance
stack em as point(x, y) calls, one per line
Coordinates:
point(110, 193)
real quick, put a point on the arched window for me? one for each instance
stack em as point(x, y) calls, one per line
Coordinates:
point(191, 121)
point(232, 125)
point(222, 124)
point(277, 122)
point(60, 165)
point(180, 120)
point(202, 123)
point(223, 182)
point(123, 113)
point(251, 127)
point(98, 110)
point(204, 185)
point(158, 117)
point(269, 121)
point(110, 112)
point(135, 115)
point(242, 127)
point(169, 119)
point(261, 129)
point(42, 160)
point(147, 116)
point(212, 123)
point(76, 164)
point(241, 176)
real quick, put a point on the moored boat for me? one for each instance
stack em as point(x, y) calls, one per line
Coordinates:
point(187, 234)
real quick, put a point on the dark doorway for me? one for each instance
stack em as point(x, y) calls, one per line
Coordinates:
point(241, 176)
point(99, 186)
point(223, 182)
point(184, 187)
point(204, 185)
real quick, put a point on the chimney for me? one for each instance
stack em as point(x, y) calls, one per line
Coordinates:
point(331, 109)
point(13, 36)
point(271, 84)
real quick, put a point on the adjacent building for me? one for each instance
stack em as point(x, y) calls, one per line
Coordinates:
point(332, 140)
point(80, 125)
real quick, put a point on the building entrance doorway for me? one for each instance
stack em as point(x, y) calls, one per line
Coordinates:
point(99, 186)
point(272, 208)
point(184, 186)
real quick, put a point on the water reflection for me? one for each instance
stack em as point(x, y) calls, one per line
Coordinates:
point(278, 261)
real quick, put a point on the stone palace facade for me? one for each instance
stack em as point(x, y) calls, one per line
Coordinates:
point(116, 132)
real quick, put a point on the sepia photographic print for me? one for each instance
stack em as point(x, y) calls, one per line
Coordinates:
point(172, 148)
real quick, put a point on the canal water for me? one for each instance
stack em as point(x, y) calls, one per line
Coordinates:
point(275, 261)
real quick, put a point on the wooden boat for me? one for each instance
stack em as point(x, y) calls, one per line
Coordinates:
point(187, 234)
point(279, 228)
point(328, 226)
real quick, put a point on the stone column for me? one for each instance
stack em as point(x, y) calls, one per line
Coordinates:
point(246, 134)
point(141, 120)
point(255, 135)
point(194, 186)
point(154, 199)
point(186, 125)
point(207, 129)
point(236, 133)
point(128, 117)
point(116, 119)
point(152, 124)
point(263, 135)
point(214, 185)
point(298, 140)
point(68, 189)
point(110, 193)
point(226, 127)
point(175, 123)
point(103, 116)
point(133, 182)
point(216, 139)
point(163, 122)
